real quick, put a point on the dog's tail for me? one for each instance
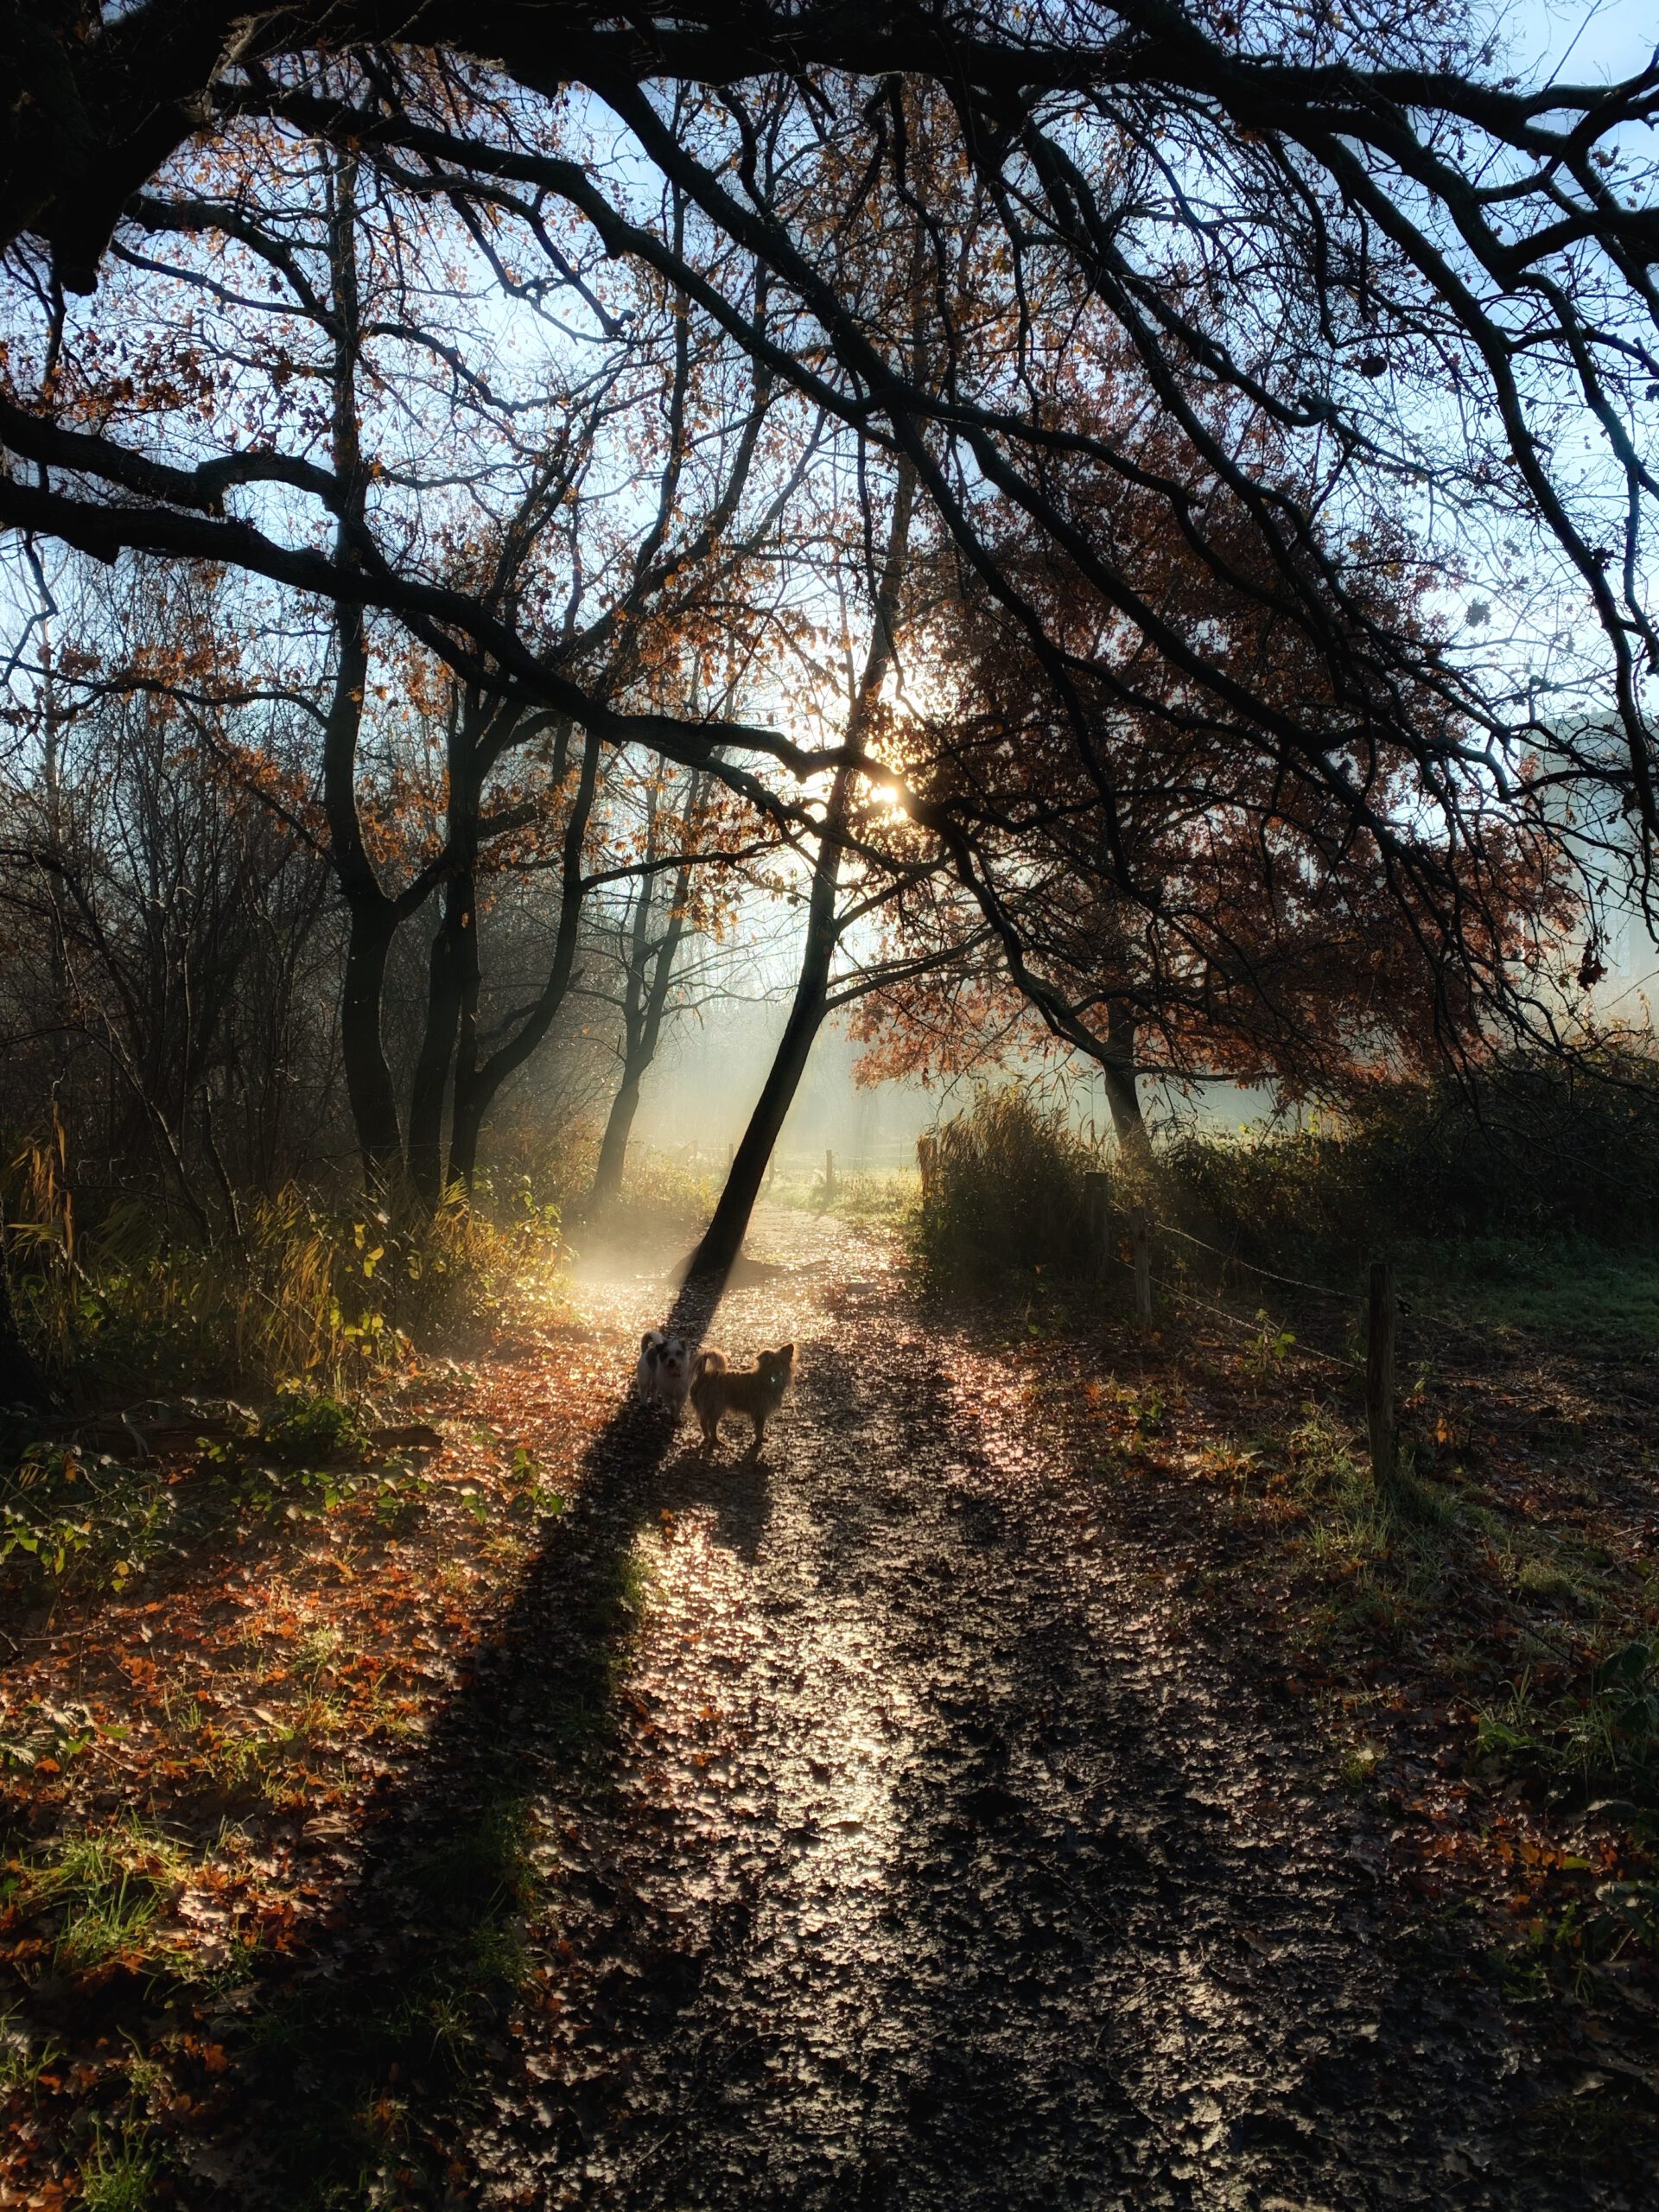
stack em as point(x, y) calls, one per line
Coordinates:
point(707, 1363)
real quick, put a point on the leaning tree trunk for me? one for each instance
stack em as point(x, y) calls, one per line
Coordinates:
point(722, 1240)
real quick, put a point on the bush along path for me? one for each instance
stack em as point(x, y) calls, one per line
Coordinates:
point(913, 1816)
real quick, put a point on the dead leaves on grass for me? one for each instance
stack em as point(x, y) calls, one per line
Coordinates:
point(190, 1766)
point(1503, 1577)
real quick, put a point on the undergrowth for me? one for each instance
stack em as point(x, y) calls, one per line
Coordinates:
point(336, 1294)
point(662, 1195)
point(1529, 1151)
point(1003, 1197)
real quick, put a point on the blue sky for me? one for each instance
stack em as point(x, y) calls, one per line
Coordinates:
point(1585, 40)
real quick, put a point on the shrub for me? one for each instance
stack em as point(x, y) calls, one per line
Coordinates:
point(1531, 1148)
point(1004, 1194)
point(76, 1516)
point(310, 1429)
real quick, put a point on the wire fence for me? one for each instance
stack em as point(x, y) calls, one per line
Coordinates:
point(1410, 1306)
point(881, 1157)
point(1351, 1302)
point(1251, 1327)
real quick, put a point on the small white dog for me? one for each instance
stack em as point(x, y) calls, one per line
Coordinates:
point(662, 1376)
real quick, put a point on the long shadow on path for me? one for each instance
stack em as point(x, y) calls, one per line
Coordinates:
point(1013, 1900)
point(973, 1888)
point(346, 2058)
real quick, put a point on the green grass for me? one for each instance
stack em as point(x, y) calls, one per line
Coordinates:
point(1385, 1551)
point(105, 1891)
point(22, 2060)
point(1603, 1734)
point(1584, 1294)
point(119, 2177)
point(874, 1200)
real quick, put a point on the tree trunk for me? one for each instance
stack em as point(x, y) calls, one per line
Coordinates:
point(642, 1024)
point(373, 917)
point(1123, 1096)
point(724, 1238)
point(443, 1008)
point(368, 1074)
point(614, 1146)
point(472, 1096)
point(477, 1082)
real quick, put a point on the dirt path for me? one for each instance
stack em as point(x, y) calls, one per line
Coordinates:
point(924, 1862)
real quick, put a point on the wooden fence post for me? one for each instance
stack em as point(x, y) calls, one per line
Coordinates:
point(1140, 1233)
point(924, 1162)
point(1097, 1186)
point(828, 1175)
point(1379, 1371)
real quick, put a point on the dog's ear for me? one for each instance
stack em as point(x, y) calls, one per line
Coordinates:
point(645, 1341)
point(786, 1353)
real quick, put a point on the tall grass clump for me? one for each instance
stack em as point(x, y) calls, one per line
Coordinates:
point(662, 1190)
point(1004, 1196)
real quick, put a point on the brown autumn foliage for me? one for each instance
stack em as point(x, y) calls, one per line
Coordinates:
point(1169, 893)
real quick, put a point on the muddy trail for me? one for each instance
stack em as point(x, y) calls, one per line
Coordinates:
point(893, 1844)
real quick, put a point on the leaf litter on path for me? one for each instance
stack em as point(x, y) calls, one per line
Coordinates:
point(858, 1824)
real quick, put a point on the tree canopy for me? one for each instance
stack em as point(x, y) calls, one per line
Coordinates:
point(1279, 391)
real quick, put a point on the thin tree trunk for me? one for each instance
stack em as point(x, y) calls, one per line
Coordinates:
point(722, 1240)
point(373, 917)
point(613, 1146)
point(642, 1027)
point(368, 1073)
point(226, 1188)
point(445, 992)
point(477, 1081)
